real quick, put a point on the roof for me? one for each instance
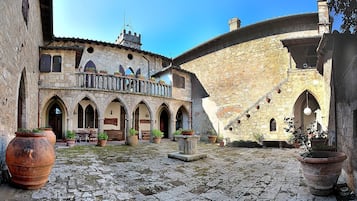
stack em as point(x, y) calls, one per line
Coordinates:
point(266, 28)
point(87, 41)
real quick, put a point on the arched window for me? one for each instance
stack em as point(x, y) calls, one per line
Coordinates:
point(90, 67)
point(272, 125)
point(89, 117)
point(80, 116)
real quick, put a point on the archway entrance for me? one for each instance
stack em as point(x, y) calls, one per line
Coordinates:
point(55, 120)
point(164, 123)
point(301, 119)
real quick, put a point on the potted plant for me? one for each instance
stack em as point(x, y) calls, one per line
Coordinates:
point(177, 132)
point(321, 169)
point(258, 137)
point(30, 158)
point(117, 74)
point(187, 132)
point(157, 135)
point(318, 138)
point(102, 139)
point(133, 137)
point(70, 138)
point(103, 72)
point(212, 136)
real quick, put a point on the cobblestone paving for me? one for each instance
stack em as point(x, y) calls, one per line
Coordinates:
point(121, 172)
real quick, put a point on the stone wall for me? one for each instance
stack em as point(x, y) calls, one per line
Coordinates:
point(241, 76)
point(19, 55)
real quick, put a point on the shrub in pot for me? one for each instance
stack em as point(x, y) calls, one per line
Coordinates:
point(133, 137)
point(102, 139)
point(157, 135)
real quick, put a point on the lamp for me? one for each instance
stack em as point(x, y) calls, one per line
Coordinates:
point(307, 110)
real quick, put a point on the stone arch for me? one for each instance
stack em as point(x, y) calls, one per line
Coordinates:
point(164, 119)
point(89, 115)
point(55, 114)
point(21, 101)
point(306, 98)
point(115, 114)
point(182, 118)
point(90, 67)
point(272, 125)
point(141, 120)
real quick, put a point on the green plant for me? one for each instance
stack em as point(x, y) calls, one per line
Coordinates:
point(102, 136)
point(297, 135)
point(70, 135)
point(156, 133)
point(23, 130)
point(211, 132)
point(258, 137)
point(178, 132)
point(133, 132)
point(36, 130)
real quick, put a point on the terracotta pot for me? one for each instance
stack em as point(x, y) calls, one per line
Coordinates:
point(50, 135)
point(157, 140)
point(187, 132)
point(71, 142)
point(102, 143)
point(321, 171)
point(30, 157)
point(133, 140)
point(212, 139)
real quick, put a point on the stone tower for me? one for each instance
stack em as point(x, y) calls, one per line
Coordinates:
point(129, 40)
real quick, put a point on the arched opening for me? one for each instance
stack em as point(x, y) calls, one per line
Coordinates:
point(55, 114)
point(89, 117)
point(21, 103)
point(142, 121)
point(114, 120)
point(80, 116)
point(164, 122)
point(302, 120)
point(90, 67)
point(182, 118)
point(272, 124)
point(85, 114)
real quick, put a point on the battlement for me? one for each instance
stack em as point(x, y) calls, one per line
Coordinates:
point(129, 40)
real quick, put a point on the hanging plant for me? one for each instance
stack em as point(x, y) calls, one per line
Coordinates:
point(268, 99)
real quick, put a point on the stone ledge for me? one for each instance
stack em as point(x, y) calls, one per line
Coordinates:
point(187, 157)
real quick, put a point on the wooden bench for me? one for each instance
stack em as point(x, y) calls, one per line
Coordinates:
point(115, 134)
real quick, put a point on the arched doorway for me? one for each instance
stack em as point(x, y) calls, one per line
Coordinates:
point(302, 120)
point(182, 118)
point(55, 119)
point(164, 122)
point(21, 103)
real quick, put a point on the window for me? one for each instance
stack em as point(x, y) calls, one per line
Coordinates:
point(50, 64)
point(178, 81)
point(25, 10)
point(56, 65)
point(80, 116)
point(272, 125)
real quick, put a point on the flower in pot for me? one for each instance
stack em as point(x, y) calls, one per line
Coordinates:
point(187, 132)
point(70, 138)
point(321, 169)
point(157, 135)
point(117, 73)
point(133, 137)
point(103, 72)
point(212, 136)
point(102, 139)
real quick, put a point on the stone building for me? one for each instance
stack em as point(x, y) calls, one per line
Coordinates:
point(337, 62)
point(259, 74)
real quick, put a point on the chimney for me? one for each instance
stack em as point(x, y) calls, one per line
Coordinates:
point(324, 18)
point(234, 24)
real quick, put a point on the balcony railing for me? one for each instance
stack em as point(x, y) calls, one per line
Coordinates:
point(122, 84)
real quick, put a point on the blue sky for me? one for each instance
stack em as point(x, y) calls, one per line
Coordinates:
point(167, 27)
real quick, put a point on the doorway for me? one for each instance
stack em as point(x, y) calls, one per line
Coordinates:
point(55, 120)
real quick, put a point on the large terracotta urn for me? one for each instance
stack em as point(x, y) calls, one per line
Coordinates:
point(30, 157)
point(321, 170)
point(50, 135)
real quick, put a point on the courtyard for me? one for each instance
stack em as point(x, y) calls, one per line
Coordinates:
point(144, 172)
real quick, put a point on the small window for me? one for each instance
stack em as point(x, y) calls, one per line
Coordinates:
point(90, 50)
point(178, 81)
point(56, 65)
point(25, 10)
point(45, 63)
point(130, 56)
point(272, 125)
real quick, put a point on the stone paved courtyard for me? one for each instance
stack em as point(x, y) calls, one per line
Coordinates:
point(121, 172)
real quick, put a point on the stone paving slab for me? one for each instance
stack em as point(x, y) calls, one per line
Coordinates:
point(144, 172)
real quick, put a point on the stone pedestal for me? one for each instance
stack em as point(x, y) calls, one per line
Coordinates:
point(187, 148)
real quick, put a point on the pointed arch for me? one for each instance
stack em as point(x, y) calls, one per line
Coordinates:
point(21, 102)
point(55, 113)
point(114, 119)
point(164, 119)
point(89, 113)
point(305, 98)
point(182, 118)
point(142, 120)
point(129, 71)
point(90, 66)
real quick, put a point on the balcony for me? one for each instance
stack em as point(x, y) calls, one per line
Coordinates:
point(92, 81)
point(122, 84)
